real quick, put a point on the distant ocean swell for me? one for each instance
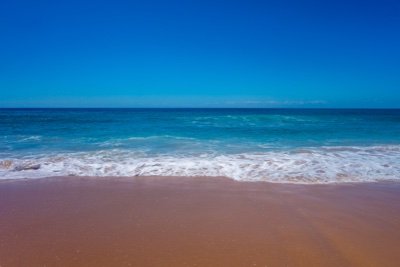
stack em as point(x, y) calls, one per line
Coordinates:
point(332, 164)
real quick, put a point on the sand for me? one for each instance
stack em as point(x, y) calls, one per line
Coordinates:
point(167, 221)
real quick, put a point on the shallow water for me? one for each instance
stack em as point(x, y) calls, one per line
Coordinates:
point(278, 145)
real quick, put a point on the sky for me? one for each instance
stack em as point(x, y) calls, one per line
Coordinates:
point(343, 54)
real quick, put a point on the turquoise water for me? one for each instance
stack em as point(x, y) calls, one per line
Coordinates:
point(278, 145)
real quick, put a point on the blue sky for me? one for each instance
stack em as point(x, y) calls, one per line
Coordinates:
point(200, 54)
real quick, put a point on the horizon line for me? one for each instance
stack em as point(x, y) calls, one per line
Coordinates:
point(383, 108)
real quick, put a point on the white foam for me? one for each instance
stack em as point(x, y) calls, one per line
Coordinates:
point(307, 165)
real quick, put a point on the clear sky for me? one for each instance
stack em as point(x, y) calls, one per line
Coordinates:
point(200, 53)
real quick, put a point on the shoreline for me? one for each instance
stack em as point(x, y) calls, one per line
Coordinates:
point(152, 177)
point(203, 221)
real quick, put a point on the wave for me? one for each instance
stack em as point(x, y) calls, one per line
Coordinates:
point(306, 165)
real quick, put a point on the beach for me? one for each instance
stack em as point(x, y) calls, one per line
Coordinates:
point(198, 221)
point(200, 134)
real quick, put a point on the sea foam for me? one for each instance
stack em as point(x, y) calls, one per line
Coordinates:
point(306, 165)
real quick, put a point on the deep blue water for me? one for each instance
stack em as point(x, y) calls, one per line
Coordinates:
point(287, 145)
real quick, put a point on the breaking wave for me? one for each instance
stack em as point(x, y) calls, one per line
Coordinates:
point(335, 164)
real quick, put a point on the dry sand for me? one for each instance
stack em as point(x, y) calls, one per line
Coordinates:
point(166, 221)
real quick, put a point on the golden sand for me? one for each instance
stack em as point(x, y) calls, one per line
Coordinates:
point(167, 221)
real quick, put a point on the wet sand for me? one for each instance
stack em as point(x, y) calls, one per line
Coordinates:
point(161, 221)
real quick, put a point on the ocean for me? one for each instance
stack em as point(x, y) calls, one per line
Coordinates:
point(274, 145)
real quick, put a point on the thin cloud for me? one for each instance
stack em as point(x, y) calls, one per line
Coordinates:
point(276, 102)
